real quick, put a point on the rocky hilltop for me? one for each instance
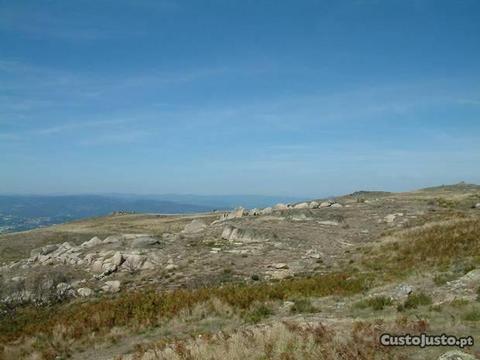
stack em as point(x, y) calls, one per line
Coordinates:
point(305, 273)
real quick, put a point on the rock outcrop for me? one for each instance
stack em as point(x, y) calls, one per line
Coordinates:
point(194, 228)
point(235, 234)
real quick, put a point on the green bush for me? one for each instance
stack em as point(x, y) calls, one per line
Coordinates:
point(258, 313)
point(472, 315)
point(415, 300)
point(376, 303)
point(303, 306)
point(443, 278)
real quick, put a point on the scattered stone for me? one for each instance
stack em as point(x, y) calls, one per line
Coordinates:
point(336, 205)
point(112, 286)
point(390, 218)
point(477, 206)
point(328, 223)
point(64, 289)
point(314, 254)
point(85, 292)
point(281, 274)
point(168, 237)
point(402, 291)
point(171, 267)
point(280, 266)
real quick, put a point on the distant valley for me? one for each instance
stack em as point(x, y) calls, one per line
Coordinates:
point(25, 212)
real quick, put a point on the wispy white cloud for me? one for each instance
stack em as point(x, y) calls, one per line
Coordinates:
point(117, 137)
point(56, 129)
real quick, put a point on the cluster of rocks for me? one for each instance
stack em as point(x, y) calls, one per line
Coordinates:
point(107, 262)
point(48, 291)
point(128, 253)
point(84, 254)
point(241, 212)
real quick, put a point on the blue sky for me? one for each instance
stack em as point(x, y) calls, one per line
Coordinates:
point(227, 97)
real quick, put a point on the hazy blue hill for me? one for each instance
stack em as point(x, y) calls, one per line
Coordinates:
point(24, 212)
point(87, 205)
point(218, 201)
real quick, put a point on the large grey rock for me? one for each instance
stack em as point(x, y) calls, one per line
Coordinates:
point(235, 234)
point(303, 205)
point(326, 204)
point(477, 206)
point(195, 227)
point(117, 259)
point(95, 241)
point(133, 262)
point(313, 205)
point(45, 250)
point(112, 239)
point(336, 205)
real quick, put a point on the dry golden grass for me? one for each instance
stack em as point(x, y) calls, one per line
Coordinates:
point(437, 245)
point(286, 340)
point(146, 309)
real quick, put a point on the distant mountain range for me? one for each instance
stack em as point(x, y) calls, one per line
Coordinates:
point(24, 212)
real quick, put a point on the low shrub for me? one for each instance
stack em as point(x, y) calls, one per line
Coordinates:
point(302, 306)
point(376, 303)
point(417, 299)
